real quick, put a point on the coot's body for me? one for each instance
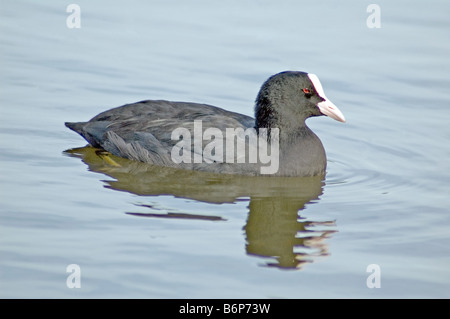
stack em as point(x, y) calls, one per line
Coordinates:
point(152, 131)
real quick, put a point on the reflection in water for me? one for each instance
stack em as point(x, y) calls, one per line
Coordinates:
point(274, 228)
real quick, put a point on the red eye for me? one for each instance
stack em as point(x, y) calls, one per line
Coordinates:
point(306, 91)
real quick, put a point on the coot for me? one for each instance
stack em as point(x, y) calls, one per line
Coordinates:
point(277, 142)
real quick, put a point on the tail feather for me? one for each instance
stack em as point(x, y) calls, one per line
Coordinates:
point(76, 126)
point(83, 129)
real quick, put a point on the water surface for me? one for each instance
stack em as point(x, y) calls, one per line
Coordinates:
point(144, 232)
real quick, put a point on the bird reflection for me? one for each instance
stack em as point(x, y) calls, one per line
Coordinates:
point(274, 230)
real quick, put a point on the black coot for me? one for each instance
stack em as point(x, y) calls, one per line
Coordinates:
point(207, 138)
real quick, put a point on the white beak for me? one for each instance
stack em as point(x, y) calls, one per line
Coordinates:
point(326, 107)
point(329, 109)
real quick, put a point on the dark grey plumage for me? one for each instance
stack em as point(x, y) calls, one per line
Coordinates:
point(142, 131)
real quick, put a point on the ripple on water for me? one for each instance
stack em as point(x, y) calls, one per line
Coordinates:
point(362, 184)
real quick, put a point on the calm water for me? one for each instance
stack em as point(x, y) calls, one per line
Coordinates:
point(137, 231)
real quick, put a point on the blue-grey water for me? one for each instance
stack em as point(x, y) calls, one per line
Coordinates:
point(141, 232)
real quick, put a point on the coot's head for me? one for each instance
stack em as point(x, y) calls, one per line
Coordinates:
point(288, 98)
